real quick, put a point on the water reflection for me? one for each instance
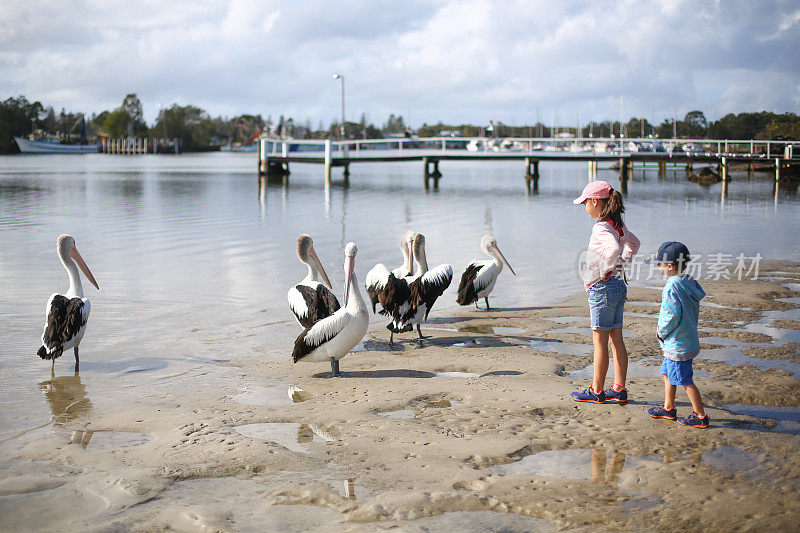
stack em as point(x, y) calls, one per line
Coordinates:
point(350, 488)
point(81, 437)
point(606, 471)
point(67, 398)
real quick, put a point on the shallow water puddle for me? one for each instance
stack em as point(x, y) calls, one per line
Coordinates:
point(736, 356)
point(641, 315)
point(108, 441)
point(291, 435)
point(400, 414)
point(567, 319)
point(579, 330)
point(636, 369)
point(461, 375)
point(473, 522)
point(567, 348)
point(276, 395)
point(598, 466)
point(788, 418)
point(488, 329)
point(40, 510)
point(725, 341)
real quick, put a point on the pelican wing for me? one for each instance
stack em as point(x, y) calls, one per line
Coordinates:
point(467, 292)
point(65, 318)
point(426, 289)
point(311, 304)
point(395, 296)
point(375, 282)
point(318, 334)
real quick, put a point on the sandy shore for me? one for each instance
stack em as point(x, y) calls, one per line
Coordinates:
point(474, 430)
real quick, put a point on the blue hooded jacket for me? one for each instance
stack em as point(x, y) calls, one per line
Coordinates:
point(677, 320)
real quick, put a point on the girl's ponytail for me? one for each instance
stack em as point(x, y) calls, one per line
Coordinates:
point(613, 209)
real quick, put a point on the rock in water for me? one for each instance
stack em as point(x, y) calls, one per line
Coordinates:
point(705, 176)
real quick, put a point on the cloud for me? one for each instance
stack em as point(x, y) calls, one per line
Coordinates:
point(455, 61)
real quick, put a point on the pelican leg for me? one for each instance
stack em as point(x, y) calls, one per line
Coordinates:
point(419, 331)
point(77, 360)
point(476, 304)
point(53, 369)
point(391, 338)
point(335, 368)
point(487, 302)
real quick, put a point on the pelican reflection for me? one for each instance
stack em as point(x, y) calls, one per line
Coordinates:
point(67, 398)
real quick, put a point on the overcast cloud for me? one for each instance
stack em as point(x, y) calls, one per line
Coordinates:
point(454, 61)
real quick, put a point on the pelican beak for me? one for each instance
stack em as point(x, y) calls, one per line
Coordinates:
point(503, 259)
point(313, 255)
point(73, 253)
point(411, 256)
point(349, 265)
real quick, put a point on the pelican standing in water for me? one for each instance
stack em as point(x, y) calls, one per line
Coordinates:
point(333, 337)
point(67, 314)
point(380, 281)
point(310, 300)
point(479, 278)
point(424, 288)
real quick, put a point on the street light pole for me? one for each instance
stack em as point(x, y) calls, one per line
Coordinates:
point(341, 77)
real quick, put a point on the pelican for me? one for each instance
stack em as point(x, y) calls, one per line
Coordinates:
point(67, 314)
point(479, 278)
point(333, 337)
point(310, 300)
point(424, 287)
point(380, 285)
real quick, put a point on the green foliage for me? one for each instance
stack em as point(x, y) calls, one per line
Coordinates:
point(18, 117)
point(116, 123)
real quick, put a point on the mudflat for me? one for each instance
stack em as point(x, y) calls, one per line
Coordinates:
point(471, 429)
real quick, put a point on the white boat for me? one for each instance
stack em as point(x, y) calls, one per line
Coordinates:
point(476, 145)
point(28, 146)
point(238, 147)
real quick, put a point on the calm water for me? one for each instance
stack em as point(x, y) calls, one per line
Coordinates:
point(194, 255)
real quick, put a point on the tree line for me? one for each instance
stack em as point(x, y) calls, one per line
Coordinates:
point(199, 131)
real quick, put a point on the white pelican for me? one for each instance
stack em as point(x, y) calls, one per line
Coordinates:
point(310, 300)
point(333, 337)
point(424, 287)
point(479, 278)
point(380, 284)
point(67, 314)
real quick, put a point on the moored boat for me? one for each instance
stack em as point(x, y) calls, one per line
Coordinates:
point(29, 146)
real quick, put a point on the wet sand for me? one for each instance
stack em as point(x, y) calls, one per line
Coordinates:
point(473, 430)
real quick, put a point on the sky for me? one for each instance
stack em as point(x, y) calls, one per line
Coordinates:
point(471, 61)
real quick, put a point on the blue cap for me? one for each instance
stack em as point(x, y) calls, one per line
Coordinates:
point(672, 252)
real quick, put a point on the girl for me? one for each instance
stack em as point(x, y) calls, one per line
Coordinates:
point(611, 247)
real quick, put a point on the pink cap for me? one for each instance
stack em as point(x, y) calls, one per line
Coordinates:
point(595, 189)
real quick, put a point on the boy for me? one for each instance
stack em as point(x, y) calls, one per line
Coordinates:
point(677, 334)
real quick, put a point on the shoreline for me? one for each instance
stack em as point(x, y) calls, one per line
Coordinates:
point(477, 421)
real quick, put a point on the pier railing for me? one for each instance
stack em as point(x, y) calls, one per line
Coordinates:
point(275, 154)
point(609, 147)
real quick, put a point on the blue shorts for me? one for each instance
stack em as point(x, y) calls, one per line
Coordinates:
point(678, 372)
point(606, 302)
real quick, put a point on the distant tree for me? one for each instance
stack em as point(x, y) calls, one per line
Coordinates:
point(133, 107)
point(17, 117)
point(189, 123)
point(394, 124)
point(49, 122)
point(694, 124)
point(116, 123)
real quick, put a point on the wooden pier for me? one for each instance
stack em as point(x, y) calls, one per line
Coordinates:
point(275, 155)
point(140, 145)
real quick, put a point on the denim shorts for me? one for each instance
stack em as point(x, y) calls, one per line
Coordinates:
point(606, 302)
point(678, 372)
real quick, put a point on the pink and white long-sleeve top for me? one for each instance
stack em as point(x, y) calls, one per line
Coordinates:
point(610, 250)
